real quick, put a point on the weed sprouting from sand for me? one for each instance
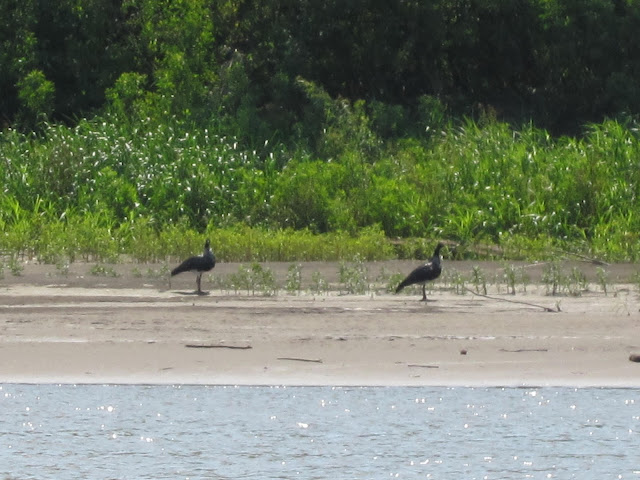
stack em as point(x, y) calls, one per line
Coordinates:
point(558, 282)
point(635, 278)
point(525, 278)
point(603, 278)
point(457, 281)
point(62, 268)
point(389, 280)
point(15, 266)
point(510, 278)
point(552, 278)
point(293, 283)
point(253, 278)
point(577, 282)
point(161, 272)
point(267, 280)
point(354, 277)
point(319, 285)
point(479, 280)
point(514, 276)
point(100, 270)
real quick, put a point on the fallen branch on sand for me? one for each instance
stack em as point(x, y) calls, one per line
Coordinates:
point(295, 359)
point(417, 365)
point(232, 347)
point(546, 309)
point(520, 350)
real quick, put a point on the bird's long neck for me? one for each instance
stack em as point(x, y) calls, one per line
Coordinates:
point(435, 260)
point(208, 253)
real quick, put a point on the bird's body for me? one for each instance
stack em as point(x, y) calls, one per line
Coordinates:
point(424, 273)
point(198, 264)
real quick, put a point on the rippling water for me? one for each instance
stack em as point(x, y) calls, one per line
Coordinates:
point(118, 432)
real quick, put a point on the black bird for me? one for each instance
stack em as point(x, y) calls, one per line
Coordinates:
point(424, 273)
point(198, 264)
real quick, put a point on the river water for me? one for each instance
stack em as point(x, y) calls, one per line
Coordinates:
point(198, 432)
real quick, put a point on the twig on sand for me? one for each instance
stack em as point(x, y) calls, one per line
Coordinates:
point(417, 365)
point(546, 309)
point(232, 347)
point(520, 350)
point(295, 359)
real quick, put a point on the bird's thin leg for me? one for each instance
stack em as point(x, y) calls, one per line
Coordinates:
point(424, 292)
point(199, 277)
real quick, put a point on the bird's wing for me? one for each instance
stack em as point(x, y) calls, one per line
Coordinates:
point(188, 265)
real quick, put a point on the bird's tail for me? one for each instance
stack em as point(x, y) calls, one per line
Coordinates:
point(177, 270)
point(400, 287)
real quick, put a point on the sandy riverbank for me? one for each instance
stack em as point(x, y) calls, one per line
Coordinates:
point(131, 329)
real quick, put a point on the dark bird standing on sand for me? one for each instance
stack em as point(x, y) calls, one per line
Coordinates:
point(198, 264)
point(424, 273)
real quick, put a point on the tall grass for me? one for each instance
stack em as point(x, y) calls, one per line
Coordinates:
point(103, 189)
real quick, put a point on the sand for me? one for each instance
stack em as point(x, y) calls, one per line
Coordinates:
point(74, 327)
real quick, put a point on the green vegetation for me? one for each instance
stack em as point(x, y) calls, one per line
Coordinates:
point(253, 278)
point(299, 132)
point(354, 277)
point(293, 284)
point(96, 191)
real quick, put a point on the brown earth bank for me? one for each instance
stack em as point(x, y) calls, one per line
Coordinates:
point(128, 323)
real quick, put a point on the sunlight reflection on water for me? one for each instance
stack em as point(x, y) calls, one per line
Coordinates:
point(66, 431)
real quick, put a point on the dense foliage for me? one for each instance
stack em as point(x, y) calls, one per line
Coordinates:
point(471, 184)
point(239, 62)
point(128, 124)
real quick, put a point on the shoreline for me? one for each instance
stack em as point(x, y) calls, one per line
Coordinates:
point(128, 330)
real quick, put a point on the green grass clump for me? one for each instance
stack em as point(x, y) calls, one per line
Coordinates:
point(479, 280)
point(319, 284)
point(293, 283)
point(354, 276)
point(558, 282)
point(253, 278)
point(99, 270)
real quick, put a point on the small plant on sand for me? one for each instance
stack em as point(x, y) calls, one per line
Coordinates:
point(558, 282)
point(479, 280)
point(293, 283)
point(577, 282)
point(354, 276)
point(15, 266)
point(390, 280)
point(552, 278)
point(525, 278)
point(161, 272)
point(254, 278)
point(99, 270)
point(635, 278)
point(319, 285)
point(62, 268)
point(510, 278)
point(266, 279)
point(219, 282)
point(457, 281)
point(603, 278)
